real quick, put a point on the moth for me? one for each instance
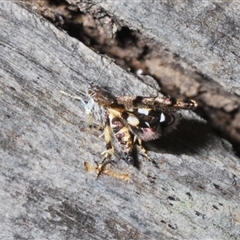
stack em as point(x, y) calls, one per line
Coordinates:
point(132, 119)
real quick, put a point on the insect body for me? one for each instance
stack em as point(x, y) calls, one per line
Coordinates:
point(133, 119)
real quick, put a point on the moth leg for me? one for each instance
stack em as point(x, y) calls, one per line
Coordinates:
point(144, 151)
point(109, 150)
point(108, 139)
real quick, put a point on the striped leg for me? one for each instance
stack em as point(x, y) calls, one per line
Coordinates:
point(109, 149)
point(144, 151)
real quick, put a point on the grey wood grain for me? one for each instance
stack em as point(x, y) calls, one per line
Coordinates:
point(192, 192)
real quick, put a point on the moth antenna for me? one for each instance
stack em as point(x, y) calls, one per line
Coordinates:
point(91, 84)
point(100, 74)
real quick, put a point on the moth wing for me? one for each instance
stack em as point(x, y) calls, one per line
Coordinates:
point(152, 124)
point(144, 127)
point(168, 119)
point(146, 134)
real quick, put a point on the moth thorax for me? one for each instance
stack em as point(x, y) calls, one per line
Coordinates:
point(127, 101)
point(102, 97)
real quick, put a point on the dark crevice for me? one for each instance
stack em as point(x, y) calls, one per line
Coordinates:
point(126, 37)
point(99, 31)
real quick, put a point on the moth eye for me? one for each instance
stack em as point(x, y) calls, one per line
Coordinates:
point(89, 91)
point(162, 117)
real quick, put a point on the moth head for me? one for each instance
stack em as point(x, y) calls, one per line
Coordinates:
point(101, 96)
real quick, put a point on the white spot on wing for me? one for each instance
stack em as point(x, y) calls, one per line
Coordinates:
point(147, 124)
point(144, 111)
point(133, 120)
point(162, 117)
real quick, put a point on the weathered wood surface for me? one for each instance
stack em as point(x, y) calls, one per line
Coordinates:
point(191, 193)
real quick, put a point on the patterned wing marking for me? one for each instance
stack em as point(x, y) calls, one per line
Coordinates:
point(166, 119)
point(149, 125)
point(159, 103)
